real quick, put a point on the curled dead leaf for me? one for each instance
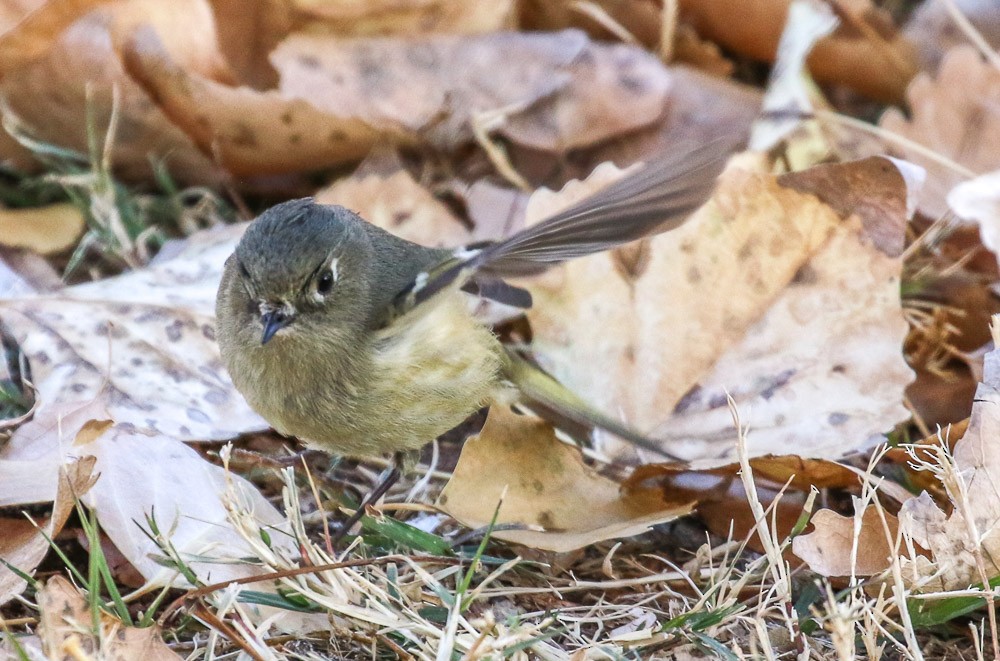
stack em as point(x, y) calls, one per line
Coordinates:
point(250, 132)
point(22, 544)
point(542, 484)
point(67, 630)
point(62, 68)
point(866, 53)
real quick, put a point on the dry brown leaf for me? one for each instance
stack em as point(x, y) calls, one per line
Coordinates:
point(45, 230)
point(552, 92)
point(848, 546)
point(22, 544)
point(971, 530)
point(545, 487)
point(641, 19)
point(765, 293)
point(75, 69)
point(248, 32)
point(698, 104)
point(866, 53)
point(722, 500)
point(250, 132)
point(67, 630)
point(956, 115)
point(415, 17)
point(398, 204)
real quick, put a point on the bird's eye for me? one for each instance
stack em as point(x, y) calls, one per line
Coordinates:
point(325, 283)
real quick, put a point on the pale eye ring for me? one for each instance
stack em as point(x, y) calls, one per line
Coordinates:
point(324, 284)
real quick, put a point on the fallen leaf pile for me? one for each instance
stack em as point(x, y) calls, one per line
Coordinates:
point(830, 297)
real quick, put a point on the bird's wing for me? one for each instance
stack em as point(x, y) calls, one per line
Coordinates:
point(655, 199)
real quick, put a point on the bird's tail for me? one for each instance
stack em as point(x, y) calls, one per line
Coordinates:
point(539, 388)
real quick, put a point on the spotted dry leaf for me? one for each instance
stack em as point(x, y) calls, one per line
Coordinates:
point(550, 91)
point(145, 340)
point(766, 293)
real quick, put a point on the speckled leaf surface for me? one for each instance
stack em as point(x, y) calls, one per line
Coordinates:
point(146, 340)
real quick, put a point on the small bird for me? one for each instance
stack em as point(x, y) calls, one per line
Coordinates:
point(360, 343)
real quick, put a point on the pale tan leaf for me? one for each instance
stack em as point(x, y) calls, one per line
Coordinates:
point(145, 475)
point(138, 474)
point(545, 487)
point(956, 115)
point(398, 204)
point(765, 292)
point(45, 230)
point(848, 546)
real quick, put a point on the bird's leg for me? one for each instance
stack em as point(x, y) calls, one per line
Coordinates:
point(401, 463)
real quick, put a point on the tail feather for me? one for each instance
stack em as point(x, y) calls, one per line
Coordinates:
point(538, 387)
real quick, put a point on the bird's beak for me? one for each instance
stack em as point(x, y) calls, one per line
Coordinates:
point(273, 321)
